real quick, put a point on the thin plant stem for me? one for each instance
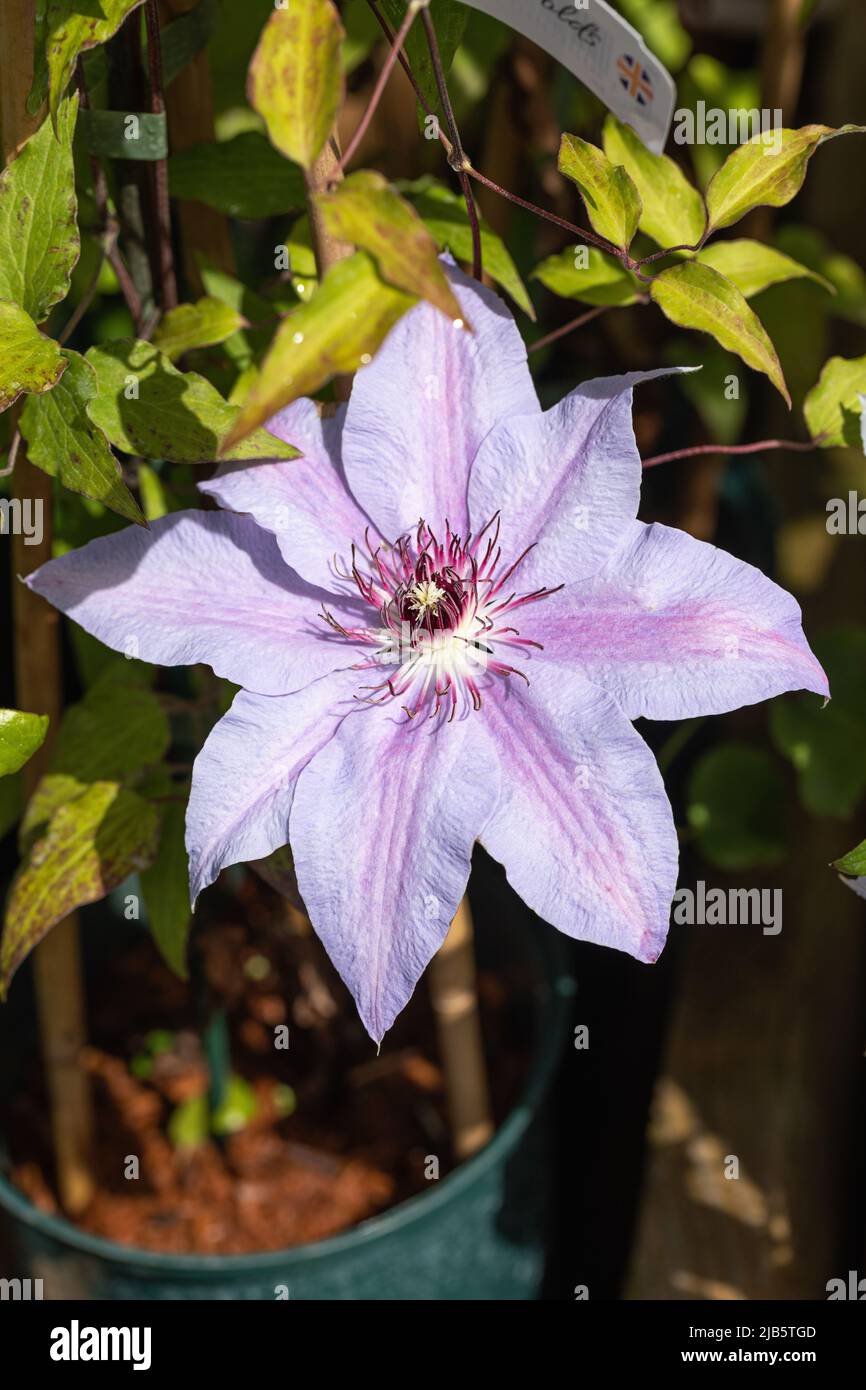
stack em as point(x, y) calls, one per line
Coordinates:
point(397, 41)
point(553, 217)
point(14, 446)
point(108, 226)
point(470, 170)
point(416, 86)
point(797, 446)
point(457, 158)
point(167, 277)
point(586, 317)
point(86, 299)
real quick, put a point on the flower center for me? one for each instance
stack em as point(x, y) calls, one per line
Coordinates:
point(442, 606)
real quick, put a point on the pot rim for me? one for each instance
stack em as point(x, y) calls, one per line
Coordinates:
point(557, 989)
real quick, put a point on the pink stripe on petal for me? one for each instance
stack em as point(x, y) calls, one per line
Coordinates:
point(382, 828)
point(583, 826)
point(673, 628)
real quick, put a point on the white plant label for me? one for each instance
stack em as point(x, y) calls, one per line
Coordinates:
point(604, 52)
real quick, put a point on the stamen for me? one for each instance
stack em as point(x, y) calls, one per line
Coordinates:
point(439, 607)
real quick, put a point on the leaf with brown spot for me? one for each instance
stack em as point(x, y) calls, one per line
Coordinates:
point(337, 330)
point(296, 78)
point(92, 844)
point(365, 211)
point(39, 241)
point(29, 362)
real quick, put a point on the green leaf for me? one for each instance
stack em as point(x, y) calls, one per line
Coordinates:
point(696, 296)
point(71, 27)
point(444, 214)
point(828, 749)
point(737, 807)
point(832, 407)
point(753, 267)
point(146, 406)
point(366, 212)
point(709, 389)
point(20, 736)
point(241, 177)
point(39, 241)
point(190, 1123)
point(450, 18)
point(673, 210)
point(765, 172)
point(604, 279)
point(203, 324)
point(296, 78)
point(165, 889)
point(186, 36)
point(29, 361)
point(854, 862)
point(827, 744)
point(90, 847)
point(116, 731)
point(65, 443)
point(612, 200)
point(847, 278)
point(337, 330)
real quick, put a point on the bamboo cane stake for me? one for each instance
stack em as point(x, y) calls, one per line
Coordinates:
point(38, 683)
point(454, 996)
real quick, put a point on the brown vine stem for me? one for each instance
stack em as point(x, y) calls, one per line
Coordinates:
point(579, 322)
point(396, 53)
point(457, 159)
point(797, 446)
point(403, 61)
point(167, 277)
point(553, 217)
point(108, 225)
point(473, 173)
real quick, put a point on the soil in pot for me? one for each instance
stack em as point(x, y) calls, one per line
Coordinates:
point(337, 1133)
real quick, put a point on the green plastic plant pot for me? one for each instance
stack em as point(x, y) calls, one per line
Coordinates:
point(479, 1233)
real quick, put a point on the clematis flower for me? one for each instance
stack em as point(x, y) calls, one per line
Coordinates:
point(444, 618)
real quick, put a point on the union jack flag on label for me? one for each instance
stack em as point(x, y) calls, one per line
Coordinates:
point(635, 78)
point(592, 40)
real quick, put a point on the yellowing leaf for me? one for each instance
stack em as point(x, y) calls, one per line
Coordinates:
point(765, 171)
point(612, 201)
point(28, 360)
point(71, 27)
point(296, 77)
point(337, 330)
point(444, 213)
point(198, 325)
point(696, 296)
point(20, 736)
point(65, 443)
point(602, 280)
point(366, 212)
point(146, 406)
point(39, 241)
point(118, 729)
point(673, 212)
point(753, 266)
point(91, 845)
point(832, 408)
